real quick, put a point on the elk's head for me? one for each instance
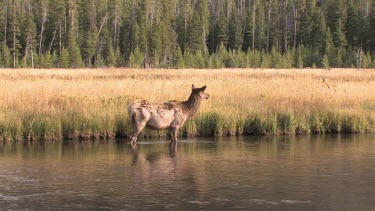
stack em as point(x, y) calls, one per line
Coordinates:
point(200, 92)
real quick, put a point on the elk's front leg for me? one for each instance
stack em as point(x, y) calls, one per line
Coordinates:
point(177, 122)
point(138, 127)
point(170, 133)
point(174, 134)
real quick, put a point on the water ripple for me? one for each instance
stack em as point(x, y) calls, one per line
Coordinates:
point(8, 198)
point(283, 201)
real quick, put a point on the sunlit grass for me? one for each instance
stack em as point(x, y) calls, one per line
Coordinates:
point(92, 103)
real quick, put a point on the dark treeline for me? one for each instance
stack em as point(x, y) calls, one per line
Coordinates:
point(187, 33)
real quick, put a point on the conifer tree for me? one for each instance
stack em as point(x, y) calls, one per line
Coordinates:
point(120, 61)
point(199, 60)
point(55, 59)
point(178, 59)
point(111, 59)
point(336, 22)
point(108, 50)
point(198, 27)
point(168, 35)
point(2, 20)
point(156, 43)
point(318, 32)
point(288, 59)
point(352, 25)
point(219, 32)
point(189, 59)
point(136, 59)
point(23, 63)
point(115, 11)
point(88, 14)
point(142, 29)
point(256, 59)
point(75, 58)
point(6, 60)
point(298, 59)
point(371, 30)
point(325, 62)
point(64, 58)
point(183, 18)
point(265, 63)
point(229, 60)
point(202, 7)
point(241, 59)
point(132, 63)
point(14, 31)
point(222, 54)
point(28, 37)
point(250, 28)
point(235, 38)
point(55, 32)
point(194, 38)
point(99, 62)
point(307, 23)
point(41, 10)
point(329, 50)
point(367, 60)
point(89, 47)
point(47, 61)
point(274, 58)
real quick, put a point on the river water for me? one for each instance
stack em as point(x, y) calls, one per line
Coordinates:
point(330, 172)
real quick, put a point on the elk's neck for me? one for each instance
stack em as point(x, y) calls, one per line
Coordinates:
point(192, 105)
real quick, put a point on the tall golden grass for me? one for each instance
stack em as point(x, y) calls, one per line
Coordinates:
point(92, 103)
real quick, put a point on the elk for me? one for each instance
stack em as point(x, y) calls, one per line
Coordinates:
point(170, 115)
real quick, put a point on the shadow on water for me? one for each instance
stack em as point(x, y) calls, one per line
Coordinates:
point(261, 173)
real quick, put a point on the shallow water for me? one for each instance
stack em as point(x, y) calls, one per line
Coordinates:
point(248, 173)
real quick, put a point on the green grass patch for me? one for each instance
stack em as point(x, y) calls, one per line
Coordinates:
point(101, 125)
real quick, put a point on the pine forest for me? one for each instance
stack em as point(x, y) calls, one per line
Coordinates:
point(187, 33)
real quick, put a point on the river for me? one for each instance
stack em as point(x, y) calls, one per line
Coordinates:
point(325, 172)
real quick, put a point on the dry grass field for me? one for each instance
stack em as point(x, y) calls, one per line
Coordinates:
point(92, 103)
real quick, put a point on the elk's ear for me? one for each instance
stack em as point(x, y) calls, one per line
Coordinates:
point(192, 87)
point(203, 88)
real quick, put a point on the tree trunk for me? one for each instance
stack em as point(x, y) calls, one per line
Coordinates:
point(260, 43)
point(185, 32)
point(115, 32)
point(285, 26)
point(44, 18)
point(32, 57)
point(254, 11)
point(71, 19)
point(5, 22)
point(295, 25)
point(268, 26)
point(53, 38)
point(14, 33)
point(60, 42)
point(212, 23)
point(229, 8)
point(27, 45)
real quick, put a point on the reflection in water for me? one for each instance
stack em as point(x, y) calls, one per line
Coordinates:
point(269, 172)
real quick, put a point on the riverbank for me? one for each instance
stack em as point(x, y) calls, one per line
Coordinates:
point(92, 103)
